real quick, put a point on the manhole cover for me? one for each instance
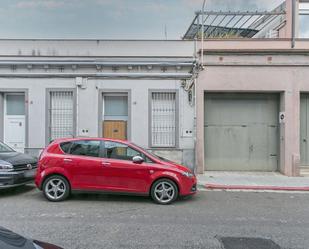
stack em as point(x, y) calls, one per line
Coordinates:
point(247, 243)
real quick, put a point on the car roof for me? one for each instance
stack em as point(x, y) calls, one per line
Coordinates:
point(61, 140)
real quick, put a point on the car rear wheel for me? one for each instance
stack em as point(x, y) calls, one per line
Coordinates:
point(164, 191)
point(56, 188)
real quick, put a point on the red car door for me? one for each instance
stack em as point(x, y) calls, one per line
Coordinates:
point(121, 173)
point(84, 164)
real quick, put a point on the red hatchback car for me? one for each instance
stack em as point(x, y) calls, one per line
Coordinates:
point(113, 166)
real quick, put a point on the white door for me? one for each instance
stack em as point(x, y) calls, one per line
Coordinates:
point(14, 121)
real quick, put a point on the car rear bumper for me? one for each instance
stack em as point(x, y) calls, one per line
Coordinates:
point(16, 178)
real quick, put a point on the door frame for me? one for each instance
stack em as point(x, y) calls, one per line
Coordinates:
point(100, 109)
point(25, 92)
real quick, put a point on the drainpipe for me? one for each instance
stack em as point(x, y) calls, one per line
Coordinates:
point(202, 49)
point(293, 22)
point(195, 126)
point(78, 84)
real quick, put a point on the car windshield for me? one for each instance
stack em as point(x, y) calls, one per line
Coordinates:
point(5, 148)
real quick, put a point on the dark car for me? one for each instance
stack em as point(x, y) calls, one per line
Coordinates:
point(15, 168)
point(10, 240)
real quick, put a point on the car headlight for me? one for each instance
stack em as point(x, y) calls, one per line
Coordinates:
point(187, 174)
point(5, 166)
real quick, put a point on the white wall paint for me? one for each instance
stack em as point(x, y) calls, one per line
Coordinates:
point(96, 48)
point(89, 105)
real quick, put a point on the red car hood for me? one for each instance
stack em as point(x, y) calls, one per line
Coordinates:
point(176, 165)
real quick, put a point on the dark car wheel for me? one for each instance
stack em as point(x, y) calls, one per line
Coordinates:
point(56, 188)
point(164, 191)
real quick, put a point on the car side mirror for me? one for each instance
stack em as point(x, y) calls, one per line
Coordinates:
point(138, 160)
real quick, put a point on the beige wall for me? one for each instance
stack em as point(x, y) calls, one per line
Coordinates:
point(279, 72)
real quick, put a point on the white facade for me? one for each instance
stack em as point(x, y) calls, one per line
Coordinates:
point(89, 69)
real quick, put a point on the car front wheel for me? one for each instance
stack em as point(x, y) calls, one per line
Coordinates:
point(56, 188)
point(164, 191)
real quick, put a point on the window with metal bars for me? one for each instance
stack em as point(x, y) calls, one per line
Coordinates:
point(61, 114)
point(303, 19)
point(163, 119)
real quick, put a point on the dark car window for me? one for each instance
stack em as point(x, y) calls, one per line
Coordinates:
point(122, 151)
point(5, 148)
point(84, 148)
point(66, 147)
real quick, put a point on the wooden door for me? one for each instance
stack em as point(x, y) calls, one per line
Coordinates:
point(115, 129)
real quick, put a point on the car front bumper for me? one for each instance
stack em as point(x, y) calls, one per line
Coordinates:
point(16, 178)
point(189, 186)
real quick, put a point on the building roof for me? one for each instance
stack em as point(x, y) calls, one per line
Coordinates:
point(96, 48)
point(220, 24)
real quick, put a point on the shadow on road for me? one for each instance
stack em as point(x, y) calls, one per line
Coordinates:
point(31, 191)
point(108, 197)
point(16, 191)
point(121, 198)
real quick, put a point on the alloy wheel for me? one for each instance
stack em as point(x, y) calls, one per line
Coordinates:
point(164, 192)
point(55, 189)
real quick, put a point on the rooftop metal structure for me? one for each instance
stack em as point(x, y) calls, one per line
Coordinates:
point(220, 24)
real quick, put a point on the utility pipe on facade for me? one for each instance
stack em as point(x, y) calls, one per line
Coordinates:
point(202, 49)
point(293, 22)
point(101, 75)
point(78, 82)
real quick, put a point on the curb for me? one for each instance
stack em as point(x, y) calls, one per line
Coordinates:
point(246, 187)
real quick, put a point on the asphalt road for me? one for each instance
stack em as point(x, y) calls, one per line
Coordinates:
point(274, 220)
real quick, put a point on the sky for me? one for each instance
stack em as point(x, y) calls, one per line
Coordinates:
point(109, 19)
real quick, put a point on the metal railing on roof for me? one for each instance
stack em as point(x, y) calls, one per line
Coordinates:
point(228, 24)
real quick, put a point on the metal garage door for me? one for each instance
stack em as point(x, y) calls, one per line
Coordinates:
point(241, 132)
point(304, 130)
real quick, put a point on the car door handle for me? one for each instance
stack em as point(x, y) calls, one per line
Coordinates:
point(106, 163)
point(67, 160)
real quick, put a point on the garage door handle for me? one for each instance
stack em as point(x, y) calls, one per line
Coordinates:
point(273, 155)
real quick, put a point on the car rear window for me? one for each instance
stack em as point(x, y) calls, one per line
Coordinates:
point(82, 148)
point(85, 148)
point(66, 147)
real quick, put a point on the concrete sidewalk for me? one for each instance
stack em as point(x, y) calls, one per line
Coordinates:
point(269, 181)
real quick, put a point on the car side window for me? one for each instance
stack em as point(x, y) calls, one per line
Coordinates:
point(121, 151)
point(89, 148)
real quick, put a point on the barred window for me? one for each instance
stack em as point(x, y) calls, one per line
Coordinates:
point(61, 114)
point(163, 119)
point(303, 20)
